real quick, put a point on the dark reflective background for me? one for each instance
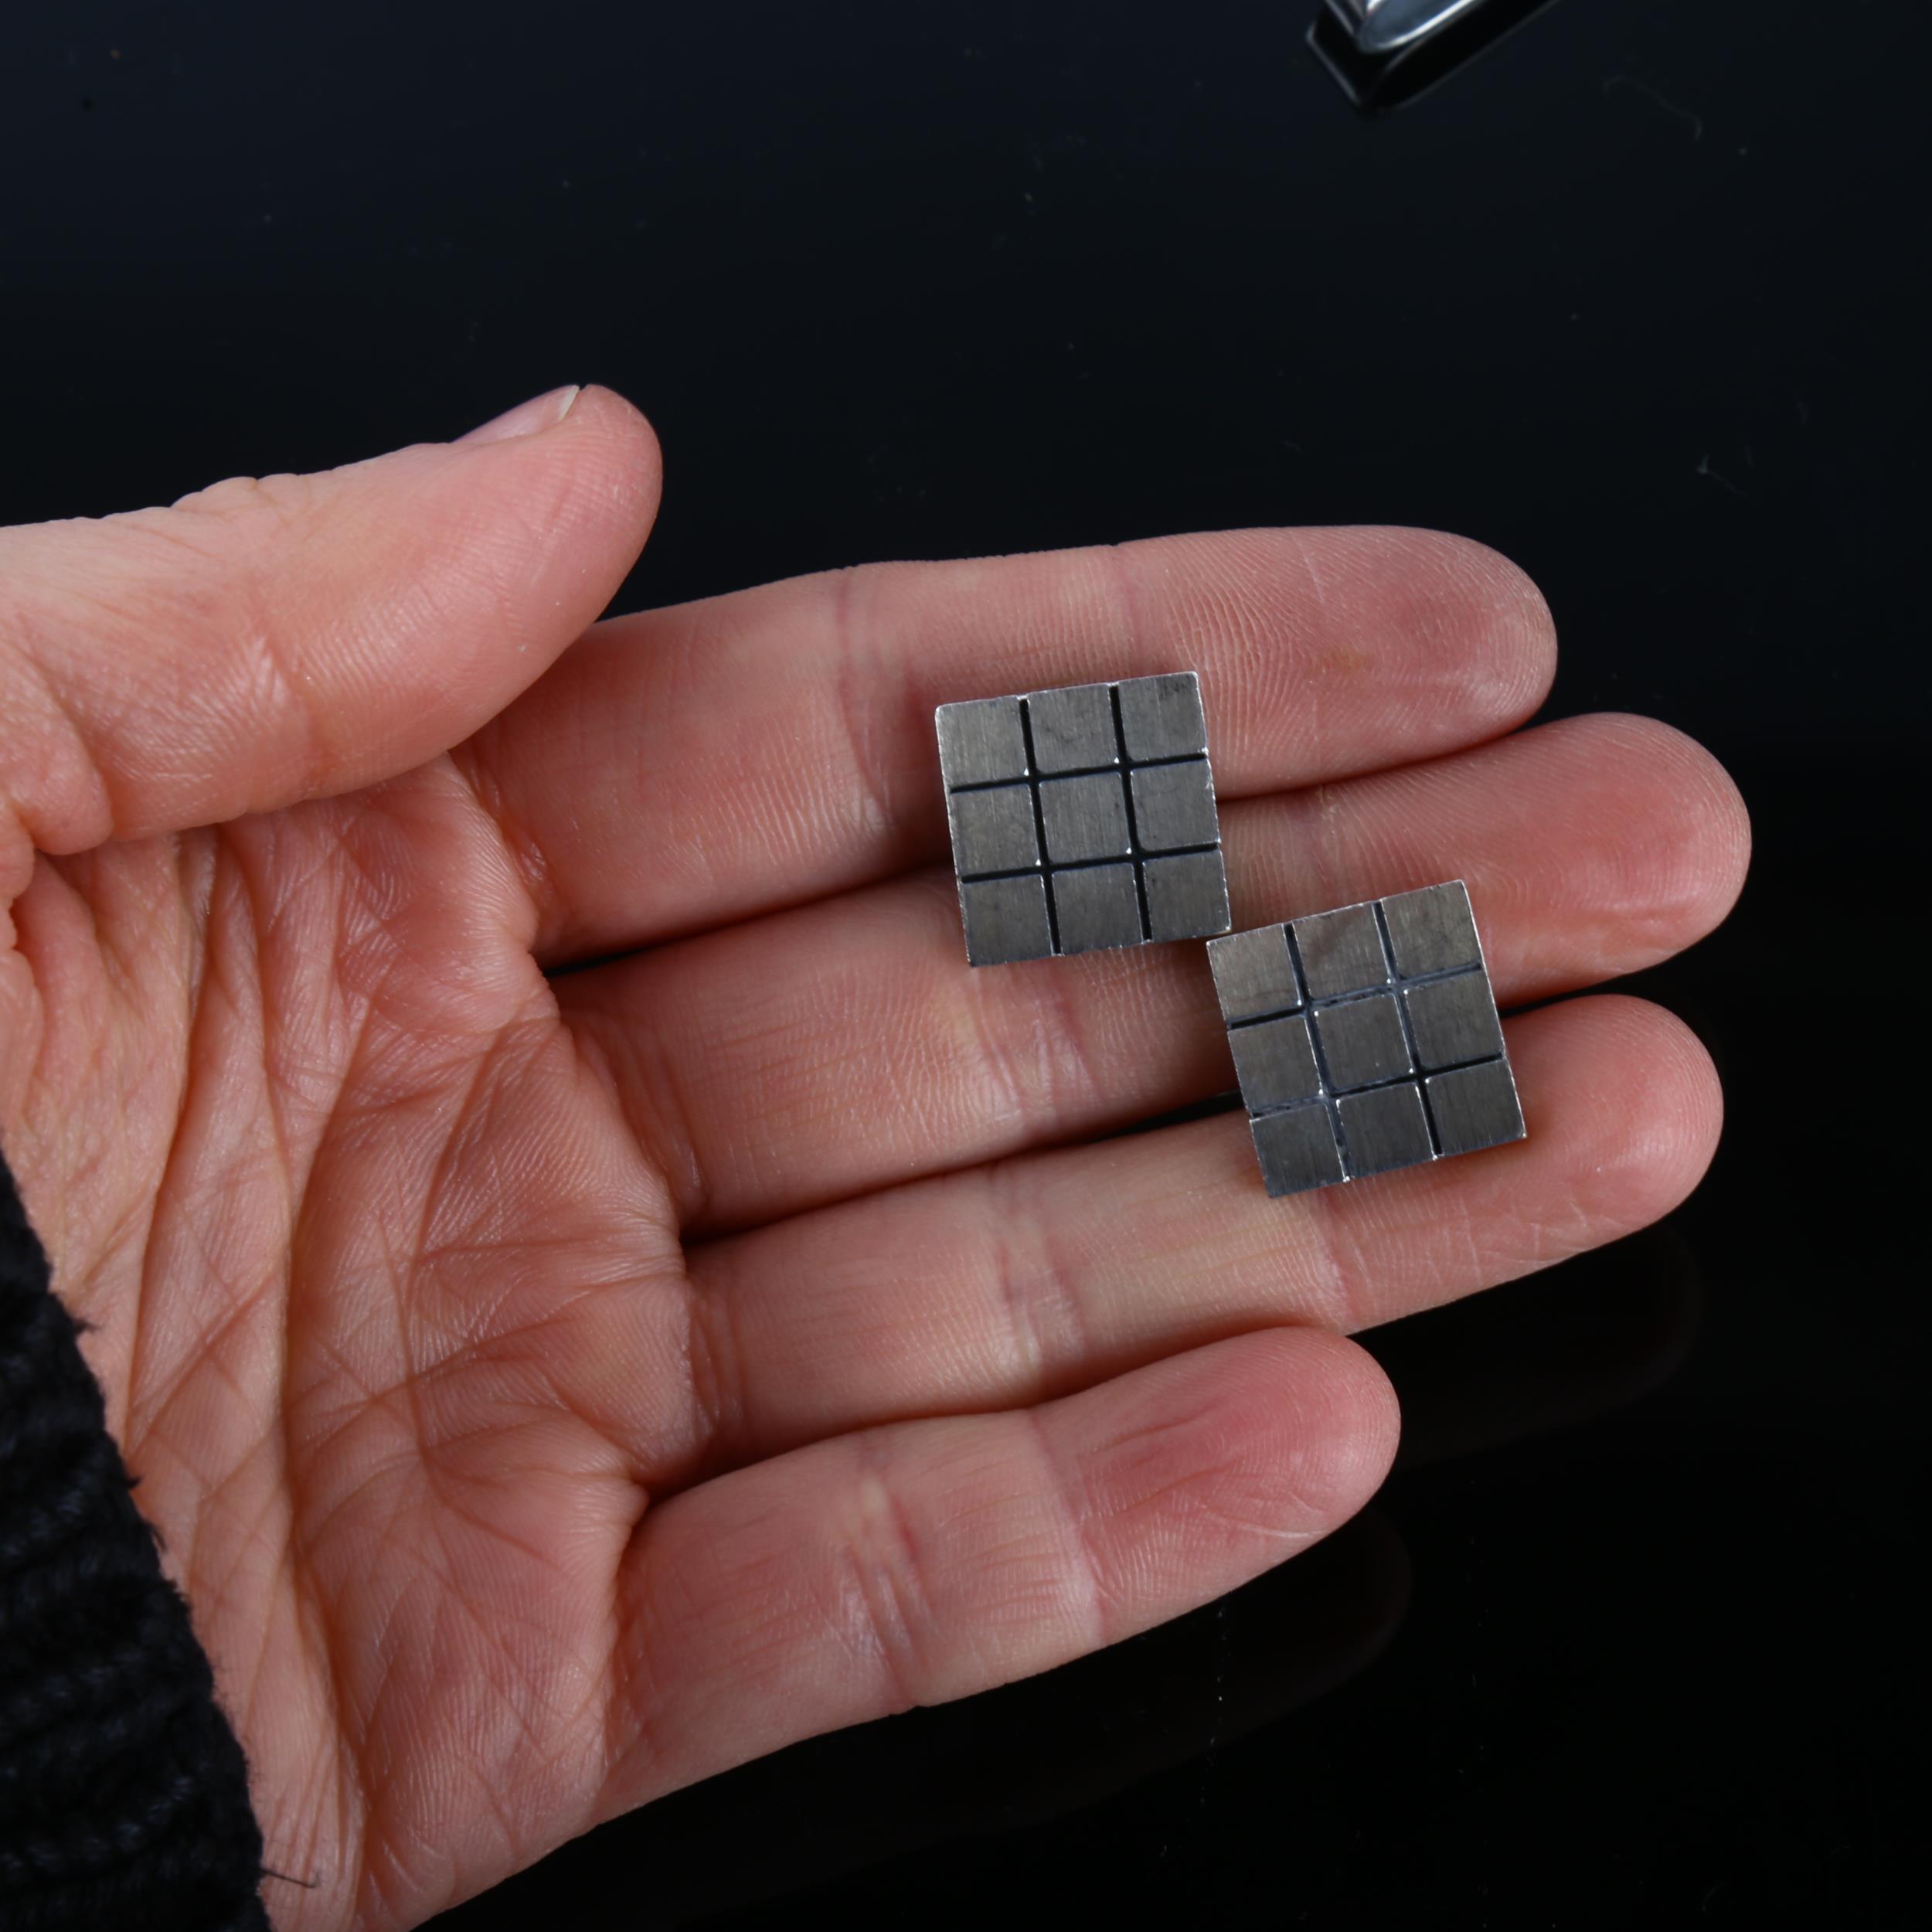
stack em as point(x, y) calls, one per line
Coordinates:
point(1638, 298)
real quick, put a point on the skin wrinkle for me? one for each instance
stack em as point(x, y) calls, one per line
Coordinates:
point(284, 499)
point(1073, 1082)
point(95, 1026)
point(493, 1431)
point(370, 1487)
point(659, 1129)
point(493, 1322)
point(476, 1079)
point(1314, 811)
point(353, 1802)
point(593, 1065)
point(276, 694)
point(98, 813)
point(263, 1530)
point(675, 669)
point(996, 1188)
point(1075, 1508)
point(265, 1678)
point(171, 1161)
point(1265, 669)
point(1123, 595)
point(1342, 1306)
point(651, 1724)
point(490, 1336)
point(880, 1555)
point(261, 929)
point(215, 997)
point(414, 611)
point(624, 1735)
point(210, 1359)
point(55, 878)
point(720, 1432)
point(369, 1716)
point(1000, 1060)
point(525, 852)
point(862, 669)
point(119, 977)
point(16, 866)
point(1316, 723)
point(1013, 1201)
point(1055, 1082)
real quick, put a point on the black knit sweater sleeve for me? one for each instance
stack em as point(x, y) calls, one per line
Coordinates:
point(123, 1797)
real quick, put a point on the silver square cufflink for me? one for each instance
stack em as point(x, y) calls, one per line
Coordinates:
point(1367, 1039)
point(1082, 818)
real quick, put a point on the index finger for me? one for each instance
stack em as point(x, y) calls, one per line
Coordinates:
point(690, 766)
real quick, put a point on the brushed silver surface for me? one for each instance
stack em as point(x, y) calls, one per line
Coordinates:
point(1128, 851)
point(1084, 818)
point(1385, 1128)
point(993, 831)
point(1162, 717)
point(1362, 1042)
point(1098, 907)
point(982, 742)
point(1253, 973)
point(1432, 931)
point(1475, 1107)
point(1174, 806)
point(1297, 1150)
point(1341, 951)
point(1453, 1020)
point(1409, 1063)
point(1187, 895)
point(1073, 728)
point(1005, 919)
point(1275, 1063)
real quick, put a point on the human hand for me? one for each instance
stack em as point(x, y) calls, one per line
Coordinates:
point(553, 1390)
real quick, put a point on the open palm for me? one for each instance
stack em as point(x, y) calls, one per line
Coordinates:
point(553, 1388)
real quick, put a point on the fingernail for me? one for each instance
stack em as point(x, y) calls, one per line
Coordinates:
point(540, 413)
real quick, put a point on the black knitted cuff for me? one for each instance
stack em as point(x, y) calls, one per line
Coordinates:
point(123, 1796)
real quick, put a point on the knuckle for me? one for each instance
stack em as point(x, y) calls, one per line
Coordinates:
point(1038, 1292)
point(887, 1596)
point(281, 500)
point(49, 775)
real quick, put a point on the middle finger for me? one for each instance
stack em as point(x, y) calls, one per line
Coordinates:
point(818, 1053)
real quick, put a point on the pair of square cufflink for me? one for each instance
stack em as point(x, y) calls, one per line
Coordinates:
point(1365, 1040)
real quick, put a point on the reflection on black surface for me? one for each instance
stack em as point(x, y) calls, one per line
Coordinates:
point(1574, 1342)
point(1494, 1373)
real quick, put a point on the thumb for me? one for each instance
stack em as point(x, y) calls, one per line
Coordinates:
point(264, 641)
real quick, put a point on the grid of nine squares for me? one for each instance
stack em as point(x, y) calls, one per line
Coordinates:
point(1082, 818)
point(1367, 1039)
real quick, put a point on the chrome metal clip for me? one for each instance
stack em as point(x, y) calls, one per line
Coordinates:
point(1384, 52)
point(1381, 28)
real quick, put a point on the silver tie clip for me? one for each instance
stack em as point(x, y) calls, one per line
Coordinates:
point(1380, 28)
point(1384, 52)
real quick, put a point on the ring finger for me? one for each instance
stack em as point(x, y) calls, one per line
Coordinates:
point(1019, 1282)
